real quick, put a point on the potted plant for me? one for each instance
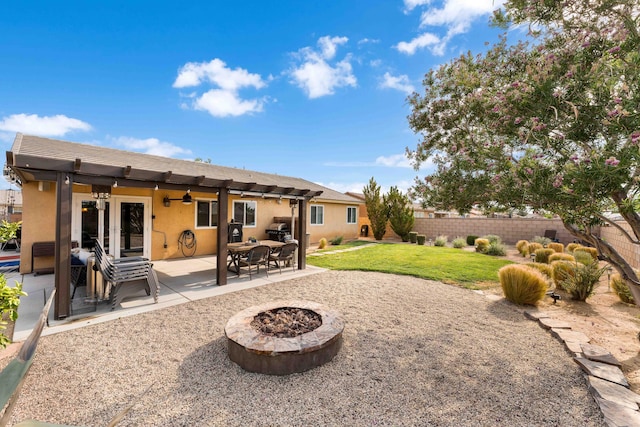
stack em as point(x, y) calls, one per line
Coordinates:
point(9, 302)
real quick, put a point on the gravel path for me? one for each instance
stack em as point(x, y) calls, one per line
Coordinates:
point(415, 353)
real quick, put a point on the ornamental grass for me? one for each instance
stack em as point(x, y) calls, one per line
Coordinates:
point(522, 285)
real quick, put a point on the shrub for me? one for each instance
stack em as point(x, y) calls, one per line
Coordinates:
point(533, 247)
point(545, 269)
point(420, 238)
point(9, 302)
point(544, 241)
point(522, 284)
point(583, 257)
point(584, 281)
point(496, 249)
point(572, 247)
point(441, 241)
point(471, 240)
point(591, 251)
point(621, 288)
point(413, 236)
point(322, 243)
point(562, 271)
point(482, 245)
point(459, 243)
point(542, 255)
point(336, 240)
point(561, 257)
point(558, 247)
point(522, 246)
point(492, 238)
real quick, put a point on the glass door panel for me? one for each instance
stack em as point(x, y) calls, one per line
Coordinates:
point(90, 225)
point(132, 216)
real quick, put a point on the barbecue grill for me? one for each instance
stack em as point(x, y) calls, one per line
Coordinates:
point(278, 231)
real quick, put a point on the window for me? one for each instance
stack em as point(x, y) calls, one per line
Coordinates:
point(317, 215)
point(206, 213)
point(245, 212)
point(352, 215)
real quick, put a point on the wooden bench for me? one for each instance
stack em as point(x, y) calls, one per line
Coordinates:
point(126, 276)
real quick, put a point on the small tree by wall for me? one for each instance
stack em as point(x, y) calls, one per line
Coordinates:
point(376, 209)
point(400, 213)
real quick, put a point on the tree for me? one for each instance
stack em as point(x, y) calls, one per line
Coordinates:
point(550, 122)
point(376, 209)
point(400, 212)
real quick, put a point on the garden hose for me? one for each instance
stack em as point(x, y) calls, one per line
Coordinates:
point(187, 243)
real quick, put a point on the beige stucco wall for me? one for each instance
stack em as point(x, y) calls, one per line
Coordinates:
point(335, 222)
point(169, 222)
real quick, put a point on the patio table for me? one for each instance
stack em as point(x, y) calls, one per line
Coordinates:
point(238, 249)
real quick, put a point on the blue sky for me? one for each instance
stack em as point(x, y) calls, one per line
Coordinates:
point(310, 89)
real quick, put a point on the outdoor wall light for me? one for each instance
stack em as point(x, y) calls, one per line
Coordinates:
point(186, 199)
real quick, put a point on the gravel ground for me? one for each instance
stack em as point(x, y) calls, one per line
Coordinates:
point(415, 352)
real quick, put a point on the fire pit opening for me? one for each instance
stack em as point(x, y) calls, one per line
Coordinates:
point(284, 337)
point(286, 322)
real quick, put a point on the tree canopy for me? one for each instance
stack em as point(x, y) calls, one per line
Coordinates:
point(549, 122)
point(400, 212)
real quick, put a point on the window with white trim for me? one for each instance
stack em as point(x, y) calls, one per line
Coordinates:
point(352, 215)
point(245, 212)
point(317, 215)
point(206, 213)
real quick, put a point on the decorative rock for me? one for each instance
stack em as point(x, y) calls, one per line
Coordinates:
point(567, 335)
point(492, 297)
point(549, 323)
point(612, 392)
point(599, 354)
point(573, 347)
point(535, 314)
point(617, 416)
point(602, 370)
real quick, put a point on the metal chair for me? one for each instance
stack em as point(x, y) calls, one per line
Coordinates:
point(284, 254)
point(258, 255)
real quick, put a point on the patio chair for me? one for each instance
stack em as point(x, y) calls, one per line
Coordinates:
point(259, 255)
point(283, 255)
point(126, 276)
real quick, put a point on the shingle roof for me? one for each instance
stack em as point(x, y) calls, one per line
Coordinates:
point(30, 153)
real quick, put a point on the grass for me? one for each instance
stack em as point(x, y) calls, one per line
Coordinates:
point(467, 269)
point(346, 245)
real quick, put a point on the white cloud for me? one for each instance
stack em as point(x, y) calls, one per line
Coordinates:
point(400, 83)
point(222, 103)
point(458, 15)
point(424, 40)
point(224, 100)
point(33, 124)
point(316, 76)
point(367, 40)
point(393, 161)
point(216, 72)
point(343, 187)
point(409, 5)
point(375, 63)
point(454, 17)
point(150, 146)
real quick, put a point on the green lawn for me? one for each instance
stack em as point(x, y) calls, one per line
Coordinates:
point(346, 245)
point(468, 269)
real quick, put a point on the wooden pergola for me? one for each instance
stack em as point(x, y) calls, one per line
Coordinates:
point(68, 166)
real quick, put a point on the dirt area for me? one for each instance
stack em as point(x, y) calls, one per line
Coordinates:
point(609, 322)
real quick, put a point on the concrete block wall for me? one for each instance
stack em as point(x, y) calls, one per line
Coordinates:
point(509, 229)
point(629, 251)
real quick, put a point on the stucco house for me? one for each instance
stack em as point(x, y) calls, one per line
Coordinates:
point(142, 204)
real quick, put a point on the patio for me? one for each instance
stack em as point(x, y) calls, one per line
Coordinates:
point(181, 281)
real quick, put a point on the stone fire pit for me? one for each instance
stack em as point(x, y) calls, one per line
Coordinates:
point(259, 352)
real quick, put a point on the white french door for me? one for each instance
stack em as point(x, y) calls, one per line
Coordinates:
point(126, 224)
